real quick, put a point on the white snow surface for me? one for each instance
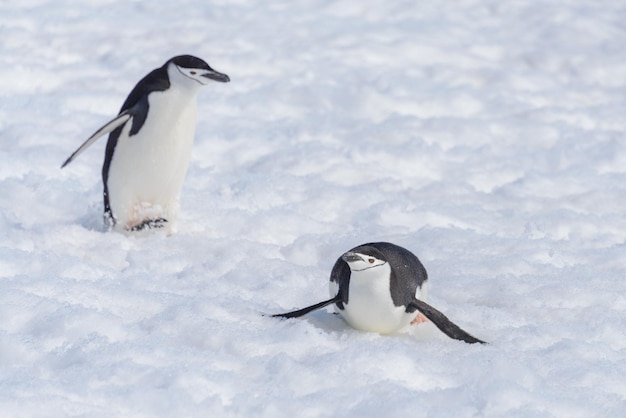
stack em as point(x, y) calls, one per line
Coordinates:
point(487, 137)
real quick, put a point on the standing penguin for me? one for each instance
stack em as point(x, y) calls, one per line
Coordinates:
point(380, 287)
point(149, 146)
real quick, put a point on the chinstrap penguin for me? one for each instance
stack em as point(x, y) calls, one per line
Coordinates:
point(381, 287)
point(149, 146)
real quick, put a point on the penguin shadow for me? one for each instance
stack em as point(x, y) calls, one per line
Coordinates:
point(424, 332)
point(93, 220)
point(332, 323)
point(325, 320)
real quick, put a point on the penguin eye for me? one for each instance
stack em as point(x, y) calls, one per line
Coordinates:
point(371, 260)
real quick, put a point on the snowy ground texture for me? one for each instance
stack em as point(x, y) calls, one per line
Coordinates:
point(488, 137)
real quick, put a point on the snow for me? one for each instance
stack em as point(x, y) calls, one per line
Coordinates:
point(487, 137)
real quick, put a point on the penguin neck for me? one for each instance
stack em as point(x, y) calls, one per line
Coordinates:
point(180, 98)
point(371, 284)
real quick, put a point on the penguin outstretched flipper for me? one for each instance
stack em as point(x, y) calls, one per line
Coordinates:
point(110, 126)
point(304, 311)
point(442, 322)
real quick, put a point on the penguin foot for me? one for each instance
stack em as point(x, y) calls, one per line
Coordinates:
point(419, 319)
point(148, 224)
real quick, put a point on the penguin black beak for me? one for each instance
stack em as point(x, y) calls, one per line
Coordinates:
point(217, 76)
point(350, 257)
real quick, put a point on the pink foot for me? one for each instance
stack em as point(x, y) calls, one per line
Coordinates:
point(420, 318)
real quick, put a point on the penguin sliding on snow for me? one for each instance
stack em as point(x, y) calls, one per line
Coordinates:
point(379, 287)
point(149, 145)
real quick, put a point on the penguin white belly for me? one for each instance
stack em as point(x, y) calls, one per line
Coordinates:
point(370, 307)
point(148, 169)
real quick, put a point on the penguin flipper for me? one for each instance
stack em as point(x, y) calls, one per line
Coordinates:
point(442, 322)
point(113, 124)
point(304, 311)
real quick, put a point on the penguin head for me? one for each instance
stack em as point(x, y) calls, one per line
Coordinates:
point(187, 69)
point(364, 258)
